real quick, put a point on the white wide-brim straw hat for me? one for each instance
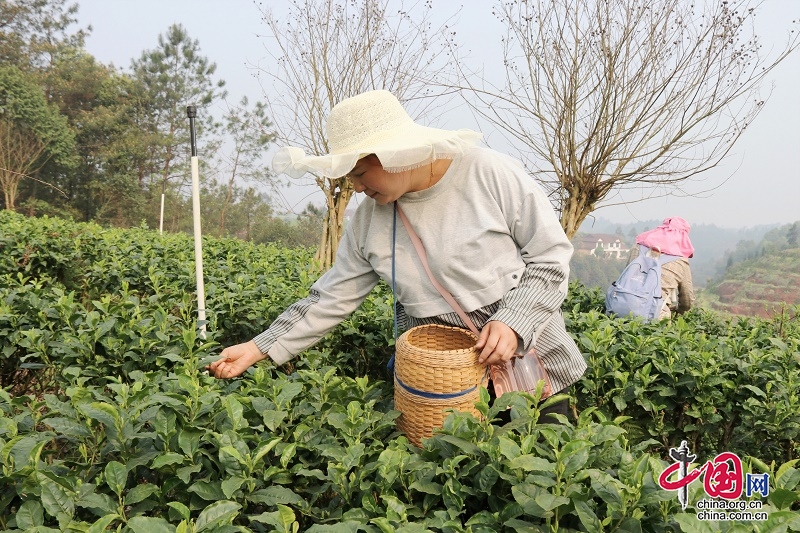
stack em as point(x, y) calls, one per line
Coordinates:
point(374, 122)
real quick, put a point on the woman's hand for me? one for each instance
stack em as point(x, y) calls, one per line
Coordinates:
point(497, 343)
point(234, 360)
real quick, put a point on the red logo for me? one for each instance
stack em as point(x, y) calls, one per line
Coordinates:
point(722, 476)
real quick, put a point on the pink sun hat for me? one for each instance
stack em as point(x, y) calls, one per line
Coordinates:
point(671, 237)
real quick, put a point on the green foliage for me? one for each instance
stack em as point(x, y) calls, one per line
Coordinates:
point(595, 270)
point(100, 104)
point(35, 30)
point(32, 133)
point(136, 281)
point(115, 139)
point(777, 239)
point(310, 448)
point(23, 101)
point(127, 432)
point(759, 286)
point(721, 385)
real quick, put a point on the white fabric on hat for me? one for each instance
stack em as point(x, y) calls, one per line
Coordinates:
point(374, 123)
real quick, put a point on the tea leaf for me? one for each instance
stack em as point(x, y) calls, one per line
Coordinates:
point(288, 454)
point(66, 426)
point(102, 523)
point(209, 491)
point(235, 412)
point(783, 498)
point(231, 485)
point(116, 477)
point(605, 487)
point(168, 458)
point(181, 508)
point(55, 498)
point(184, 473)
point(104, 413)
point(531, 463)
point(284, 518)
point(395, 509)
point(140, 493)
point(487, 478)
point(588, 517)
point(98, 503)
point(527, 496)
point(463, 445)
point(275, 495)
point(509, 448)
point(145, 524)
point(216, 514)
point(273, 419)
point(787, 475)
point(427, 487)
point(30, 515)
point(189, 441)
point(574, 456)
point(264, 449)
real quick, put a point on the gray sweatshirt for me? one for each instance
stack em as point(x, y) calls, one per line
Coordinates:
point(492, 239)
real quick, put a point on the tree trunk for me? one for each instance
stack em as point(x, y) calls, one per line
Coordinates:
point(9, 201)
point(224, 208)
point(338, 192)
point(228, 196)
point(574, 210)
point(11, 195)
point(9, 181)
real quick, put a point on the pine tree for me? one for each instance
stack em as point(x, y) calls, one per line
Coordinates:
point(175, 75)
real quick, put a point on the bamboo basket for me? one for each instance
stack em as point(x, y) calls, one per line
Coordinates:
point(439, 361)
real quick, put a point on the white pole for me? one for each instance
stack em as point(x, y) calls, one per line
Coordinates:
point(191, 112)
point(161, 218)
point(198, 249)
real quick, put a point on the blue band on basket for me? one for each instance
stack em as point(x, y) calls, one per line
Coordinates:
point(433, 395)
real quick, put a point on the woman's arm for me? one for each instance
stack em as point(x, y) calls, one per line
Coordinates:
point(331, 299)
point(546, 251)
point(686, 295)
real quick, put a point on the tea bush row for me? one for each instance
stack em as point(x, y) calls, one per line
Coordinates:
point(102, 302)
point(57, 278)
point(132, 435)
point(317, 451)
point(721, 384)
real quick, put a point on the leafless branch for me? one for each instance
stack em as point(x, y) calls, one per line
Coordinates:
point(603, 96)
point(325, 51)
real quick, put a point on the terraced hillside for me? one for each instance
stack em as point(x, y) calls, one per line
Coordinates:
point(756, 287)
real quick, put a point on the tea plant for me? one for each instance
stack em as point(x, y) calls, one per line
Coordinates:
point(682, 380)
point(107, 420)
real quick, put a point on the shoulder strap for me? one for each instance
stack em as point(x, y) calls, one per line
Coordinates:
point(662, 258)
point(424, 258)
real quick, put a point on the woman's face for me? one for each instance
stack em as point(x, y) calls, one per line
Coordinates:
point(384, 187)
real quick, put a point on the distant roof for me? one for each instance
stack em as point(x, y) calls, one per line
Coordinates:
point(589, 240)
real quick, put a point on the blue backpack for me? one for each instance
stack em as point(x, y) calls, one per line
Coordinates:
point(637, 291)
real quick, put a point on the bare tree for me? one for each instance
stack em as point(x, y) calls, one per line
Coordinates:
point(329, 50)
point(21, 154)
point(249, 131)
point(616, 94)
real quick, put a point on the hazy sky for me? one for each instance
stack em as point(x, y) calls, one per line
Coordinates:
point(763, 170)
